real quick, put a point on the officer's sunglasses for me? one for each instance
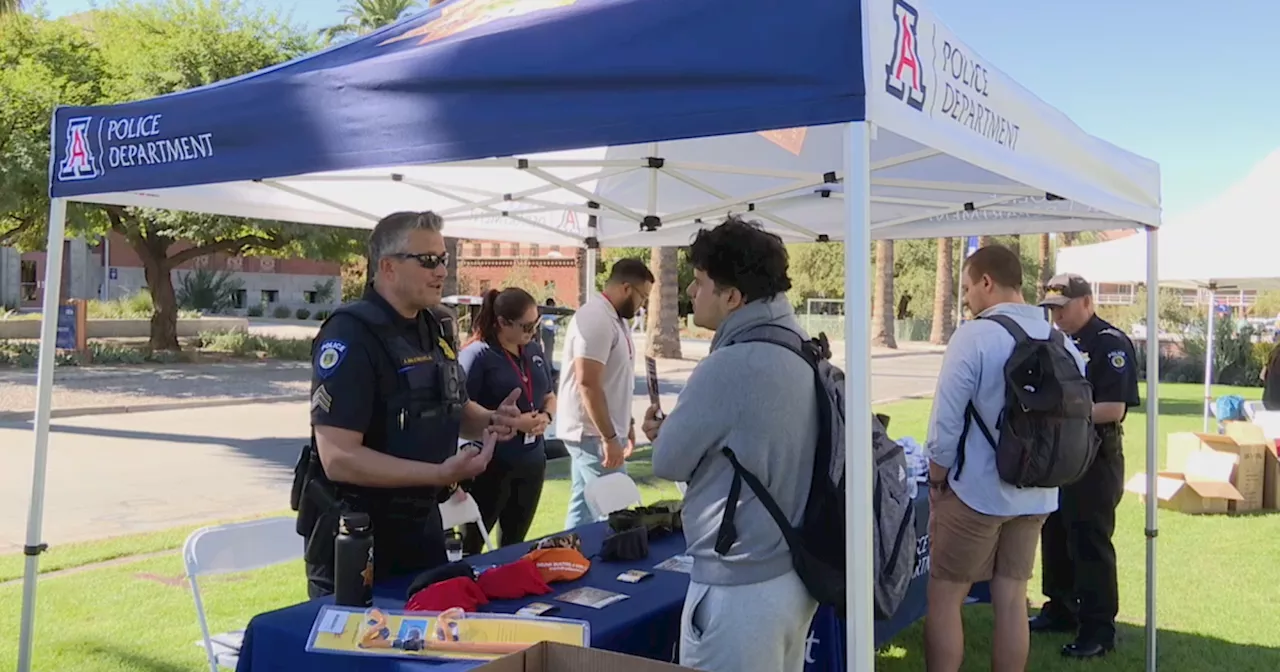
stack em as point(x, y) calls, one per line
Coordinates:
point(426, 260)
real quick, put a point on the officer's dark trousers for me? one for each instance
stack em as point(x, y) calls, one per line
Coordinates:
point(407, 539)
point(508, 495)
point(1078, 558)
point(549, 344)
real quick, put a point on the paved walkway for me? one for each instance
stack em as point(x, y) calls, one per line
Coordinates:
point(116, 474)
point(100, 389)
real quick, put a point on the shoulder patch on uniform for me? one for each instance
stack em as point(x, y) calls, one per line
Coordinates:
point(537, 360)
point(328, 356)
point(1117, 359)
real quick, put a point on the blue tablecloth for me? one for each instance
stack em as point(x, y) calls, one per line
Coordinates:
point(647, 624)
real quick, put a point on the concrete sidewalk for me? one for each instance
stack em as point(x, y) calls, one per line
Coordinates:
point(101, 390)
point(152, 470)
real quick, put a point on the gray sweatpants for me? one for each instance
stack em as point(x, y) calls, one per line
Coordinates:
point(755, 627)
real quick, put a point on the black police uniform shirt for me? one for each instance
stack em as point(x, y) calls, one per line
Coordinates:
point(492, 372)
point(1110, 366)
point(352, 371)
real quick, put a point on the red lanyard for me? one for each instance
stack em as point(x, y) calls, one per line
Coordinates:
point(522, 370)
point(626, 333)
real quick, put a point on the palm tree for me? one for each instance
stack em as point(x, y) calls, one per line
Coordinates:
point(366, 16)
point(944, 295)
point(663, 321)
point(1014, 243)
point(1046, 263)
point(882, 321)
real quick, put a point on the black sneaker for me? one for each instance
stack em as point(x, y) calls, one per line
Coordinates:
point(1083, 649)
point(1043, 622)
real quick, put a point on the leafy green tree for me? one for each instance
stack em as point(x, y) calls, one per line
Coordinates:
point(817, 271)
point(42, 63)
point(99, 59)
point(10, 7)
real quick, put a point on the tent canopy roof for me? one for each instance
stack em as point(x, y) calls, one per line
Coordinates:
point(681, 121)
point(1230, 242)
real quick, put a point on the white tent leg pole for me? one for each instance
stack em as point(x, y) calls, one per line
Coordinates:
point(1153, 432)
point(859, 624)
point(44, 402)
point(1209, 337)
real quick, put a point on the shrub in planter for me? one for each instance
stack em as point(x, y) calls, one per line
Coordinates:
point(302, 314)
point(255, 311)
point(281, 313)
point(1234, 359)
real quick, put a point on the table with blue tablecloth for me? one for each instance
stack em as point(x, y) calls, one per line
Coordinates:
point(647, 624)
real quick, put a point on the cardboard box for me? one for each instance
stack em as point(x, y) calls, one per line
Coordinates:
point(1203, 487)
point(1247, 475)
point(551, 657)
point(1255, 434)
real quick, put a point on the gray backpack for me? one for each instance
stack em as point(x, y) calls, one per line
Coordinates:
point(817, 544)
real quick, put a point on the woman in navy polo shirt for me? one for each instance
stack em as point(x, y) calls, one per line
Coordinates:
point(500, 356)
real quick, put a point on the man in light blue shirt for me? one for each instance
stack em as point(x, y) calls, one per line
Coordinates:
point(980, 527)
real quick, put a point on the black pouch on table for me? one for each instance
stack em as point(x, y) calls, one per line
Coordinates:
point(627, 546)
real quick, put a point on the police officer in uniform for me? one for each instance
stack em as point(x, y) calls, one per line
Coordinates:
point(389, 402)
point(1078, 558)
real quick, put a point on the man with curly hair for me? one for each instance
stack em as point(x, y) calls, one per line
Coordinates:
point(746, 608)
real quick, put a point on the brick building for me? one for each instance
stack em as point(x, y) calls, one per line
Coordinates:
point(265, 281)
point(271, 282)
point(487, 264)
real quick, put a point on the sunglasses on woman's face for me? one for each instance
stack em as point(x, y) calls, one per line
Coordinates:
point(526, 327)
point(427, 260)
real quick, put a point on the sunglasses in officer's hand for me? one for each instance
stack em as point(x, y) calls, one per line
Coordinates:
point(427, 260)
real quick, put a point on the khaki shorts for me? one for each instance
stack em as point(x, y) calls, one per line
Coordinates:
point(967, 547)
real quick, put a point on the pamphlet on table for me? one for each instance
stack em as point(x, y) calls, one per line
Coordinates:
point(452, 635)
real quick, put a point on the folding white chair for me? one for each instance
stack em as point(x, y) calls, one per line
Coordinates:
point(612, 492)
point(462, 510)
point(236, 547)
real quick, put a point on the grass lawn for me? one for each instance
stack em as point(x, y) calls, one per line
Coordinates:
point(1217, 586)
point(139, 617)
point(1216, 576)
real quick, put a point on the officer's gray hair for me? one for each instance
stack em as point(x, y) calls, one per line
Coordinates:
point(391, 234)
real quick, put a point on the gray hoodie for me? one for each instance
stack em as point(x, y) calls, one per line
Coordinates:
point(758, 399)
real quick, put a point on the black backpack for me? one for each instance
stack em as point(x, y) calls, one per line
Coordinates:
point(1046, 427)
point(818, 544)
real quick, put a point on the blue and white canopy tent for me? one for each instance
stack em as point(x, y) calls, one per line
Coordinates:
point(825, 119)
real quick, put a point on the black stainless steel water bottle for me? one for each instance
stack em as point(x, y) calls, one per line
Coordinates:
point(353, 561)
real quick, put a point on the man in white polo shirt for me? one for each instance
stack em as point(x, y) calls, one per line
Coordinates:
point(597, 382)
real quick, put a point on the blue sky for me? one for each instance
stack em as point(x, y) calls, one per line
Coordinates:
point(1183, 83)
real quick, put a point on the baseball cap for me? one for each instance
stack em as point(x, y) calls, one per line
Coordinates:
point(1062, 288)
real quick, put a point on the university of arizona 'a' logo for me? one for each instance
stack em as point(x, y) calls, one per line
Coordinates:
point(904, 78)
point(78, 162)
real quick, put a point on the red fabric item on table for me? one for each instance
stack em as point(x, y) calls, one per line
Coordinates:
point(461, 592)
point(513, 581)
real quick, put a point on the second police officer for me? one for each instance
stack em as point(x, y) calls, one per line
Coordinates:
point(1078, 558)
point(389, 402)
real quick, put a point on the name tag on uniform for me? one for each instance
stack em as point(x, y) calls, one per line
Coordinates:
point(530, 439)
